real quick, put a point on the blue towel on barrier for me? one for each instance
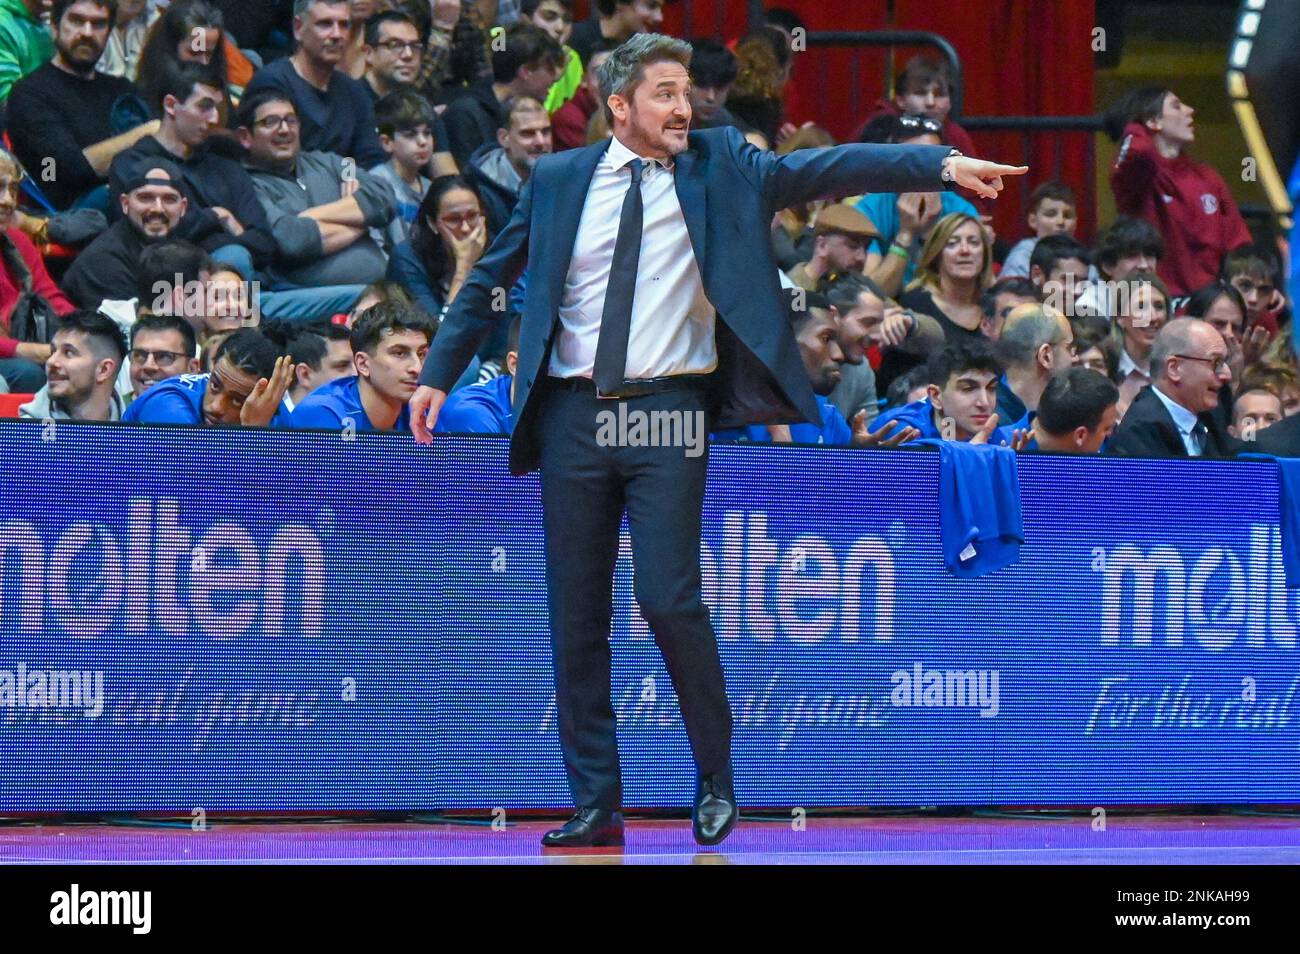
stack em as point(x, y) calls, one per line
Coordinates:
point(1288, 516)
point(979, 507)
point(1288, 502)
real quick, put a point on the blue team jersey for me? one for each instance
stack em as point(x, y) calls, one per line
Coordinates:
point(179, 400)
point(336, 402)
point(834, 429)
point(478, 409)
point(920, 414)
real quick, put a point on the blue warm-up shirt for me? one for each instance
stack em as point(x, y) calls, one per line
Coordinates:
point(834, 429)
point(179, 400)
point(332, 404)
point(920, 414)
point(478, 409)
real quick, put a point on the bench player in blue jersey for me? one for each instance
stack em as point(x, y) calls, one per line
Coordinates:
point(961, 399)
point(484, 408)
point(389, 342)
point(247, 385)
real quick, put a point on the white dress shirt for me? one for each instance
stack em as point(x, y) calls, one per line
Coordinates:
point(672, 320)
point(1184, 420)
point(1132, 379)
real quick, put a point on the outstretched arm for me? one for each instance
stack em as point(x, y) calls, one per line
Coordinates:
point(833, 172)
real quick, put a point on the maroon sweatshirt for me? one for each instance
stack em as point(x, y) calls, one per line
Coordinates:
point(1186, 200)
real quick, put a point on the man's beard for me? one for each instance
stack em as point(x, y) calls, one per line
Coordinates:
point(76, 55)
point(147, 237)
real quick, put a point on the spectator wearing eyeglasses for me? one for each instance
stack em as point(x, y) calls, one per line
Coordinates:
point(905, 220)
point(1174, 416)
point(321, 207)
point(1036, 343)
point(334, 109)
point(162, 346)
point(393, 55)
point(447, 240)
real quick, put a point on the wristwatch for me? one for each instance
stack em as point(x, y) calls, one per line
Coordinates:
point(946, 175)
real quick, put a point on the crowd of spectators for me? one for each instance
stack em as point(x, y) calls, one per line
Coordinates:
point(261, 219)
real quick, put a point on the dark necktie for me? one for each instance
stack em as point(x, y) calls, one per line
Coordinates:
point(1200, 437)
point(616, 318)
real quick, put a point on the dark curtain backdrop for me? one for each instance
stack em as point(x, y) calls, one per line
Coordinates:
point(1020, 57)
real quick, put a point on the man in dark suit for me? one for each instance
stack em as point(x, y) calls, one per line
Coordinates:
point(651, 290)
point(1174, 416)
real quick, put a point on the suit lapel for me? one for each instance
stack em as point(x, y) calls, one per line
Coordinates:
point(688, 179)
point(565, 212)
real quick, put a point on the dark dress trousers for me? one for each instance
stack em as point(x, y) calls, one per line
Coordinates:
point(728, 191)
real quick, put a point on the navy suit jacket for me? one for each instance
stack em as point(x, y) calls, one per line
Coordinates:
point(729, 190)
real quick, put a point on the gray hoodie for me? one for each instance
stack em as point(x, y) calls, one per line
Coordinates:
point(40, 408)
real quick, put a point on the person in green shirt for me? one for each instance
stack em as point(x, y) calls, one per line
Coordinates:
point(25, 42)
point(556, 18)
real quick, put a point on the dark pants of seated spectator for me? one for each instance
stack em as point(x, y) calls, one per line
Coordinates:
point(23, 376)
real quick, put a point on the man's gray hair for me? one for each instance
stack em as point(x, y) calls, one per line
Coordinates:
point(1176, 337)
point(625, 67)
point(300, 7)
point(1022, 337)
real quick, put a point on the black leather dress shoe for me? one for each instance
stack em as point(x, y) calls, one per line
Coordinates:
point(715, 812)
point(588, 828)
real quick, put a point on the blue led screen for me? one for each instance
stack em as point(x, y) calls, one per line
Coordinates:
point(293, 621)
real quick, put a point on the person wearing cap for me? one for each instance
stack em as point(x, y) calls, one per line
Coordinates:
point(904, 219)
point(152, 206)
point(841, 235)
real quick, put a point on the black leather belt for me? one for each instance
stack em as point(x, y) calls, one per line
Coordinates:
point(636, 387)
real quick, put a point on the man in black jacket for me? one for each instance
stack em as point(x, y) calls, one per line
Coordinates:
point(1174, 415)
point(153, 204)
point(224, 216)
point(530, 62)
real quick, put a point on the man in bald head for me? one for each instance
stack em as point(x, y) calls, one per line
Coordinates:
point(1036, 343)
point(1173, 415)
